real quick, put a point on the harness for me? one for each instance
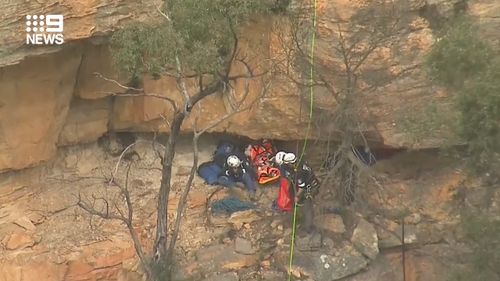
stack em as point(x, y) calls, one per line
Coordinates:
point(310, 185)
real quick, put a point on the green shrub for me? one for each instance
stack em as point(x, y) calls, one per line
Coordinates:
point(459, 54)
point(464, 63)
point(199, 33)
point(482, 234)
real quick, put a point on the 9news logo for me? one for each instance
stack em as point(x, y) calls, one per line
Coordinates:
point(44, 29)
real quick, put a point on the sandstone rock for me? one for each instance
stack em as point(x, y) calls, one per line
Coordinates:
point(55, 203)
point(36, 95)
point(114, 259)
point(10, 272)
point(86, 121)
point(365, 239)
point(239, 218)
point(183, 170)
point(487, 11)
point(414, 218)
point(269, 275)
point(244, 246)
point(81, 20)
point(275, 223)
point(310, 242)
point(97, 65)
point(43, 272)
point(70, 161)
point(183, 274)
point(36, 92)
point(78, 270)
point(327, 266)
point(265, 264)
point(223, 257)
point(19, 241)
point(25, 223)
point(331, 222)
point(389, 239)
point(232, 276)
point(36, 218)
point(418, 267)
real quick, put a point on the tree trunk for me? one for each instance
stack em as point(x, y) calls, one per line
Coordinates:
point(160, 247)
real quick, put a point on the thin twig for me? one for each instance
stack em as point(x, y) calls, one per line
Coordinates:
point(162, 13)
point(140, 94)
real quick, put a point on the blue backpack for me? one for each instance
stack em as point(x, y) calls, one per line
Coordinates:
point(209, 171)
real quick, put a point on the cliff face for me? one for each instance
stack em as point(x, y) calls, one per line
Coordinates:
point(83, 19)
point(50, 97)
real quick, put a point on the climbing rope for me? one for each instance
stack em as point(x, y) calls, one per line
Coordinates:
point(311, 107)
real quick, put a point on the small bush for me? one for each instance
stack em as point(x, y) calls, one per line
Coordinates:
point(458, 54)
point(464, 63)
point(482, 234)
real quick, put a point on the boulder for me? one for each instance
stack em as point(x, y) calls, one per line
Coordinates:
point(271, 275)
point(223, 258)
point(239, 218)
point(244, 246)
point(330, 222)
point(18, 241)
point(25, 223)
point(393, 238)
point(364, 238)
point(328, 266)
point(310, 242)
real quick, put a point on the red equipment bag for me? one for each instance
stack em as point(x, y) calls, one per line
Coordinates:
point(284, 202)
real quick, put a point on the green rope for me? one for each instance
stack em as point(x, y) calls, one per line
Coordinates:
point(311, 107)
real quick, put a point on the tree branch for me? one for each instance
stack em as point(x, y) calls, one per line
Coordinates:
point(196, 135)
point(141, 94)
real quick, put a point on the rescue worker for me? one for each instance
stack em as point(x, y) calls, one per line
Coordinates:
point(235, 170)
point(304, 182)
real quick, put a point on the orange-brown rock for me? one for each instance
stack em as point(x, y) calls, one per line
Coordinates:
point(44, 271)
point(87, 120)
point(96, 65)
point(38, 84)
point(82, 20)
point(19, 241)
point(34, 102)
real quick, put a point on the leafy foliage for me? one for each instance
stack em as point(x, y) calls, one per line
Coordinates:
point(479, 104)
point(467, 65)
point(482, 233)
point(201, 33)
point(459, 54)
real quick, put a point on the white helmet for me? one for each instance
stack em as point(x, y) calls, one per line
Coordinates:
point(233, 161)
point(289, 158)
point(279, 157)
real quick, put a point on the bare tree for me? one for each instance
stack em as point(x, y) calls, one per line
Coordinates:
point(112, 206)
point(344, 77)
point(120, 208)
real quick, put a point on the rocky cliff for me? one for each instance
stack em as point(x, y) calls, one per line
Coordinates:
point(50, 96)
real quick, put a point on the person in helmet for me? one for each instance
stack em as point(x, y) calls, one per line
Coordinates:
point(304, 181)
point(236, 170)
